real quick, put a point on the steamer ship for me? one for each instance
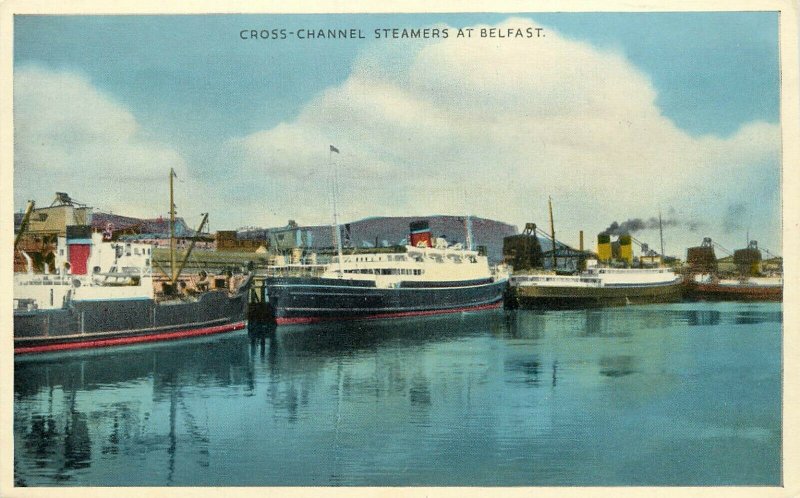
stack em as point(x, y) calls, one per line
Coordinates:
point(102, 293)
point(598, 286)
point(746, 282)
point(429, 277)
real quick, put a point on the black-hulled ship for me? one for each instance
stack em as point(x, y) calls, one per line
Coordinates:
point(428, 277)
point(103, 293)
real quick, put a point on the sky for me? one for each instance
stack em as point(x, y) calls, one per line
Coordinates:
point(615, 117)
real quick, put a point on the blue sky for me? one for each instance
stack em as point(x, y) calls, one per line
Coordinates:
point(188, 90)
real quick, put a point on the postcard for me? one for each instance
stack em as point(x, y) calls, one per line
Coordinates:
point(337, 250)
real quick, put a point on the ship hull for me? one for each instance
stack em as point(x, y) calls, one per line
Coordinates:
point(104, 323)
point(717, 292)
point(583, 297)
point(297, 300)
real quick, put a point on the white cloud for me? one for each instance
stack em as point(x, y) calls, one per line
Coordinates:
point(71, 137)
point(510, 122)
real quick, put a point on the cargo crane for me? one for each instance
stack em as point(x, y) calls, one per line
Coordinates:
point(769, 253)
point(24, 225)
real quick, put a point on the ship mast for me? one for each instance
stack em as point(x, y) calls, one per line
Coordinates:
point(172, 256)
point(337, 234)
point(661, 235)
point(552, 232)
point(467, 225)
point(469, 233)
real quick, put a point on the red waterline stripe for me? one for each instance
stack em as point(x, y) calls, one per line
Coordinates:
point(119, 341)
point(315, 319)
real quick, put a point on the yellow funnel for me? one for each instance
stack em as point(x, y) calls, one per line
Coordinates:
point(625, 249)
point(604, 247)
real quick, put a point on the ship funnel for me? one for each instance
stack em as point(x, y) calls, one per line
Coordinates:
point(604, 247)
point(420, 235)
point(79, 247)
point(625, 249)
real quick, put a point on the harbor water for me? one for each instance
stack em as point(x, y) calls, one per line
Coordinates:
point(673, 394)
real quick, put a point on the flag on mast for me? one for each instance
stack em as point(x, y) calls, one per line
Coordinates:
point(334, 149)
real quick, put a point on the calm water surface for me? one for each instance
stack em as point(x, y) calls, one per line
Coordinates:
point(679, 394)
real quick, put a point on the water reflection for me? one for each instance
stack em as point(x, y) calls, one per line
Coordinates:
point(617, 366)
point(474, 398)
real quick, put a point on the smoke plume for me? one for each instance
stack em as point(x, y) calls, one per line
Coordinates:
point(634, 225)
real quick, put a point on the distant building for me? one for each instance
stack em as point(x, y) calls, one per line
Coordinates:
point(45, 225)
point(55, 219)
point(701, 259)
point(292, 236)
point(229, 240)
point(748, 260)
point(527, 251)
point(773, 265)
point(651, 260)
point(567, 259)
point(523, 251)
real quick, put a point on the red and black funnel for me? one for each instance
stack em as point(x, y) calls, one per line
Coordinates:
point(420, 234)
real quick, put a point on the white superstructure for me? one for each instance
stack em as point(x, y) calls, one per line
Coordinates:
point(115, 270)
point(599, 277)
point(441, 263)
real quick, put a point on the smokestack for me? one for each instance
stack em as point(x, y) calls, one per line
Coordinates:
point(604, 247)
point(420, 234)
point(625, 249)
point(580, 243)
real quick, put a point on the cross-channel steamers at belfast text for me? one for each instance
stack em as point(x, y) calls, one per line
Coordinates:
point(390, 33)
